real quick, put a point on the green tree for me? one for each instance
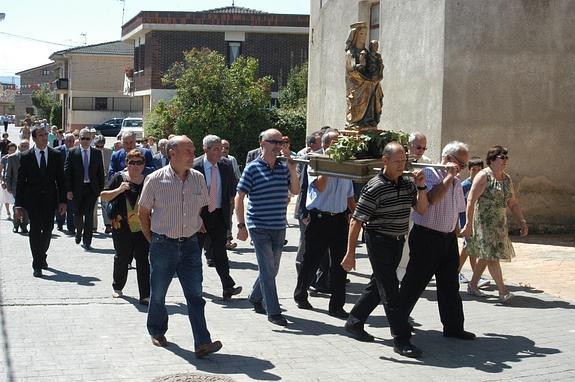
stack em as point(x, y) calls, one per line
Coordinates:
point(294, 94)
point(212, 98)
point(44, 100)
point(56, 115)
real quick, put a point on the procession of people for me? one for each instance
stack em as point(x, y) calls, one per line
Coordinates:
point(164, 209)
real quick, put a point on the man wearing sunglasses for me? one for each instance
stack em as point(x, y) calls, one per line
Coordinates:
point(433, 249)
point(266, 181)
point(84, 169)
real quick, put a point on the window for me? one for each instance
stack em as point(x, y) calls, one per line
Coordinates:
point(374, 22)
point(45, 72)
point(234, 51)
point(100, 103)
point(83, 103)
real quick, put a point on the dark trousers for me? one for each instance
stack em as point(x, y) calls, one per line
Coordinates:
point(384, 255)
point(324, 232)
point(432, 253)
point(321, 280)
point(41, 225)
point(84, 213)
point(216, 233)
point(5, 126)
point(130, 245)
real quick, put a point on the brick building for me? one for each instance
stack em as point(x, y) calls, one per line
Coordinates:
point(278, 41)
point(31, 80)
point(92, 84)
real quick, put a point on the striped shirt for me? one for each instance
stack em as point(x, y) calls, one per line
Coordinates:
point(267, 189)
point(384, 206)
point(175, 204)
point(442, 215)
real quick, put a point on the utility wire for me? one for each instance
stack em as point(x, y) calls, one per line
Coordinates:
point(35, 39)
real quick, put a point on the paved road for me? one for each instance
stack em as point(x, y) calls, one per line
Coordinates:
point(66, 326)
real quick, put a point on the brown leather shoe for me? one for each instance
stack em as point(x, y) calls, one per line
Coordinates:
point(205, 349)
point(160, 341)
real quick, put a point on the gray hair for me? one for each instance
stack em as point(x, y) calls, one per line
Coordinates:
point(391, 148)
point(266, 134)
point(210, 140)
point(69, 136)
point(415, 136)
point(325, 138)
point(128, 134)
point(453, 147)
point(99, 140)
point(162, 143)
point(85, 131)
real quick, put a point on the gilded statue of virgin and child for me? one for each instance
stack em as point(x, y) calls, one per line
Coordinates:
point(364, 72)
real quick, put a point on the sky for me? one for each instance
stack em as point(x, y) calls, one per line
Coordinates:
point(73, 22)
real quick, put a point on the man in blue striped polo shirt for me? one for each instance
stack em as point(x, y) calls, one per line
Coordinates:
point(266, 181)
point(383, 210)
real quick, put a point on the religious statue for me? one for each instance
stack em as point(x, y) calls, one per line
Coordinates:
point(364, 72)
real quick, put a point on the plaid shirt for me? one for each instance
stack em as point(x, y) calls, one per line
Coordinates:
point(443, 214)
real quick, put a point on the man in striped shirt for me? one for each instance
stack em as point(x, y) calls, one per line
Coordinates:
point(266, 181)
point(383, 210)
point(169, 211)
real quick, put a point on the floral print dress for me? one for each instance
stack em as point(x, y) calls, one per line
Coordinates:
point(490, 240)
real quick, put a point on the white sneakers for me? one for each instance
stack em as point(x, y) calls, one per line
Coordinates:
point(475, 291)
point(117, 294)
point(506, 297)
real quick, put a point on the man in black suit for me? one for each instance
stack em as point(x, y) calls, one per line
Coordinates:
point(221, 183)
point(160, 159)
point(84, 171)
point(40, 188)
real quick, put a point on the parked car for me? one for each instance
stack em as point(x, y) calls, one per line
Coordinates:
point(110, 128)
point(134, 124)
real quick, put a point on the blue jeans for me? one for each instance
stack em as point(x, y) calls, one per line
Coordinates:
point(168, 256)
point(268, 244)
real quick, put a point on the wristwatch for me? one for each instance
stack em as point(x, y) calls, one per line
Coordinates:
point(422, 188)
point(241, 225)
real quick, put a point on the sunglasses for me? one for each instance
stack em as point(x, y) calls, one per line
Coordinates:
point(99, 146)
point(275, 142)
point(85, 139)
point(503, 156)
point(136, 162)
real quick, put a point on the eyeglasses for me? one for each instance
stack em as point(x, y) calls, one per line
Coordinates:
point(274, 142)
point(85, 139)
point(421, 148)
point(459, 162)
point(136, 162)
point(99, 146)
point(502, 156)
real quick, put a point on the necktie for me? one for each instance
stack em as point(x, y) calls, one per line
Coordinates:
point(42, 160)
point(86, 165)
point(213, 189)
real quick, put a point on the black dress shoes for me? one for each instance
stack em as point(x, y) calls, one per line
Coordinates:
point(78, 239)
point(304, 305)
point(210, 263)
point(278, 319)
point(87, 247)
point(462, 335)
point(408, 350)
point(23, 229)
point(358, 333)
point(160, 341)
point(259, 308)
point(37, 273)
point(228, 293)
point(338, 313)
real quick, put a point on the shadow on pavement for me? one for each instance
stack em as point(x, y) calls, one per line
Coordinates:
point(136, 303)
point(492, 353)
point(62, 276)
point(243, 265)
point(221, 363)
point(301, 326)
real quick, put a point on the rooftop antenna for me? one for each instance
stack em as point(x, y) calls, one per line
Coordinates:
point(123, 9)
point(233, 3)
point(83, 35)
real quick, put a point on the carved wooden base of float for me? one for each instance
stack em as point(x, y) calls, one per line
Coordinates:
point(358, 170)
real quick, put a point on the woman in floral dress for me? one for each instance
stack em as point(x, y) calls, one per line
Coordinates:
point(491, 194)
